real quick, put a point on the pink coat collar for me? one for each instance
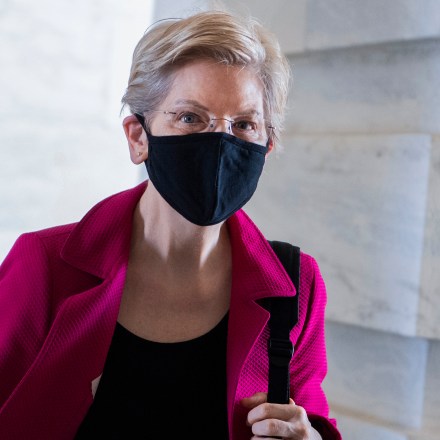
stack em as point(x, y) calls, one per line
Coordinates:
point(102, 238)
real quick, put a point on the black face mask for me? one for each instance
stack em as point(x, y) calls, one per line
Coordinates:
point(206, 177)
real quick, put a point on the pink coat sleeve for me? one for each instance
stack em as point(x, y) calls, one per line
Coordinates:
point(309, 362)
point(24, 310)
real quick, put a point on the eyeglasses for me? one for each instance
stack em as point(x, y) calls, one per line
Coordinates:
point(250, 127)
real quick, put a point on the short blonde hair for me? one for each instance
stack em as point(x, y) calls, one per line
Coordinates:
point(217, 35)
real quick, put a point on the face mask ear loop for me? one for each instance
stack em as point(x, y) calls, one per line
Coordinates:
point(270, 136)
point(141, 120)
point(268, 143)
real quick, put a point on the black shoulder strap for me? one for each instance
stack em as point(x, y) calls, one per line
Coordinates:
point(283, 316)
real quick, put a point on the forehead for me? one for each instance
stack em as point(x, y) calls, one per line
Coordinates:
point(219, 87)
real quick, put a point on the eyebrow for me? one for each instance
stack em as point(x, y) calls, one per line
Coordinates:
point(246, 112)
point(191, 102)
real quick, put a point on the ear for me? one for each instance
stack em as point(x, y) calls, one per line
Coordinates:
point(137, 139)
point(270, 147)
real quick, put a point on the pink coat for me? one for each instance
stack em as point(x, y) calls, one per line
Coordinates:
point(60, 290)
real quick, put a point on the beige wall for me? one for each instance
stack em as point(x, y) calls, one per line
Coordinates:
point(64, 68)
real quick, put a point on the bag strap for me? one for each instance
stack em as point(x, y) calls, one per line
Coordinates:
point(283, 317)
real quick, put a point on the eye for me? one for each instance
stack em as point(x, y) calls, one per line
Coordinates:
point(190, 118)
point(245, 125)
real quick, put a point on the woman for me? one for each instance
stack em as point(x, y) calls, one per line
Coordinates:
point(144, 319)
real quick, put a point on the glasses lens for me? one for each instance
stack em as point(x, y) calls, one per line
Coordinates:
point(189, 120)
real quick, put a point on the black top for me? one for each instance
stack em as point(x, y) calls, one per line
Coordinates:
point(161, 390)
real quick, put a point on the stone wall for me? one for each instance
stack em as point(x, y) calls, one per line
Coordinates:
point(64, 69)
point(357, 185)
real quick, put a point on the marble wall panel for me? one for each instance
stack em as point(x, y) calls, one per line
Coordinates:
point(285, 18)
point(177, 8)
point(429, 312)
point(431, 414)
point(378, 89)
point(56, 60)
point(423, 436)
point(342, 23)
point(53, 176)
point(67, 61)
point(307, 25)
point(357, 203)
point(352, 428)
point(62, 143)
point(375, 375)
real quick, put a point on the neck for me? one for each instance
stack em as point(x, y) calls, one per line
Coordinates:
point(158, 229)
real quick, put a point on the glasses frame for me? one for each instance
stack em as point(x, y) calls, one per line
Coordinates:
point(270, 127)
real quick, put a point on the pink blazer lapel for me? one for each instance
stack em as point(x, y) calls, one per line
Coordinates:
point(257, 274)
point(246, 323)
point(73, 355)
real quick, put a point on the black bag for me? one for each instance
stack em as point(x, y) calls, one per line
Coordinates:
point(283, 317)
